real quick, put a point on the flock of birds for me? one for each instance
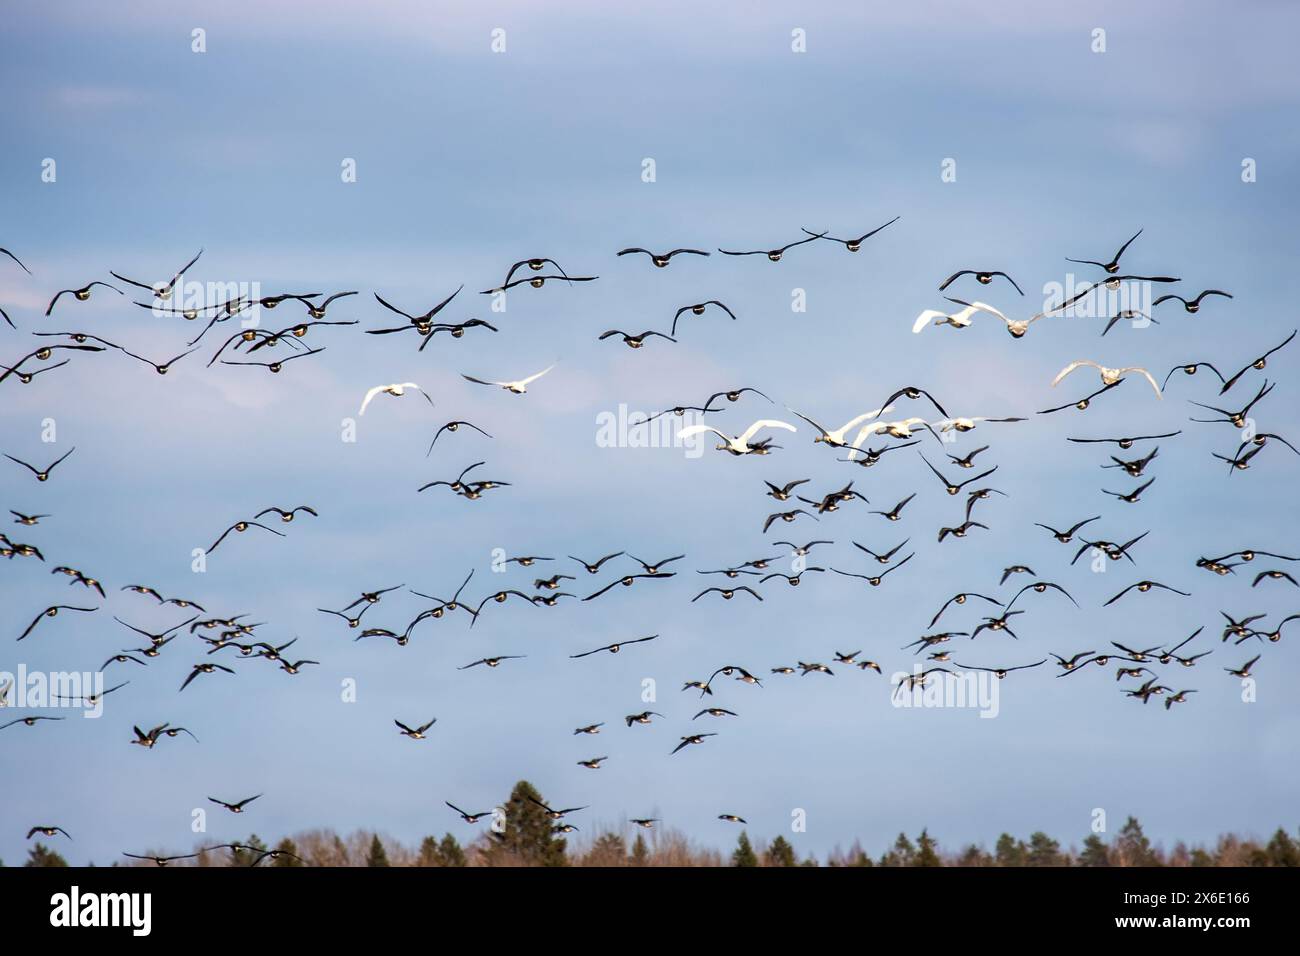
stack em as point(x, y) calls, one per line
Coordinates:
point(865, 440)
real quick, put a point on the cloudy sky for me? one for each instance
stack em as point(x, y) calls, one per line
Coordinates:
point(467, 160)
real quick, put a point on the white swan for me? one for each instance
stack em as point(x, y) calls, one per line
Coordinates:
point(396, 389)
point(958, 320)
point(518, 388)
point(835, 437)
point(899, 429)
point(738, 445)
point(1109, 376)
point(1016, 327)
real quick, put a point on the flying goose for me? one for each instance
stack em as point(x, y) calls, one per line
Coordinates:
point(852, 245)
point(1113, 265)
point(81, 295)
point(983, 278)
point(233, 807)
point(1258, 364)
point(470, 817)
point(698, 309)
point(774, 255)
point(1192, 306)
point(415, 733)
point(661, 260)
point(161, 290)
point(48, 831)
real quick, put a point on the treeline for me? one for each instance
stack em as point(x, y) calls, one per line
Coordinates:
point(530, 837)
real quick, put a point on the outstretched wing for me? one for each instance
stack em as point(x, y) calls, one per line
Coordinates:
point(1071, 367)
point(533, 378)
point(762, 423)
point(370, 395)
point(1147, 375)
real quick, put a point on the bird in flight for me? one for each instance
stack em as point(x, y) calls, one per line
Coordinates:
point(397, 390)
point(852, 245)
point(44, 473)
point(1083, 403)
point(691, 739)
point(469, 817)
point(1109, 376)
point(204, 668)
point(162, 291)
point(9, 255)
point(835, 438)
point(415, 733)
point(595, 568)
point(774, 255)
point(698, 309)
point(81, 295)
point(1259, 364)
point(234, 807)
point(239, 527)
point(661, 260)
point(519, 387)
point(958, 320)
point(739, 444)
point(634, 341)
point(453, 427)
point(1113, 265)
point(48, 831)
point(51, 611)
point(421, 323)
point(1066, 536)
point(615, 648)
point(983, 278)
point(492, 661)
point(1191, 306)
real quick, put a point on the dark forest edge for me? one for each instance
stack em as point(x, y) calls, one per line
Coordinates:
point(532, 837)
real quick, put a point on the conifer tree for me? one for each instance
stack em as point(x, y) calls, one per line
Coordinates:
point(744, 854)
point(287, 846)
point(974, 856)
point(901, 854)
point(779, 853)
point(640, 855)
point(41, 855)
point(1133, 847)
point(450, 852)
point(428, 853)
point(377, 856)
point(1009, 851)
point(1095, 852)
point(926, 851)
point(1043, 851)
point(528, 838)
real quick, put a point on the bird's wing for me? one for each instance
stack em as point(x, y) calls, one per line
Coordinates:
point(924, 318)
point(762, 423)
point(1071, 367)
point(865, 417)
point(690, 430)
point(1147, 375)
point(979, 307)
point(370, 395)
point(533, 378)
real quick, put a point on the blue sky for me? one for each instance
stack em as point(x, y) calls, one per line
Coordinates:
point(469, 160)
